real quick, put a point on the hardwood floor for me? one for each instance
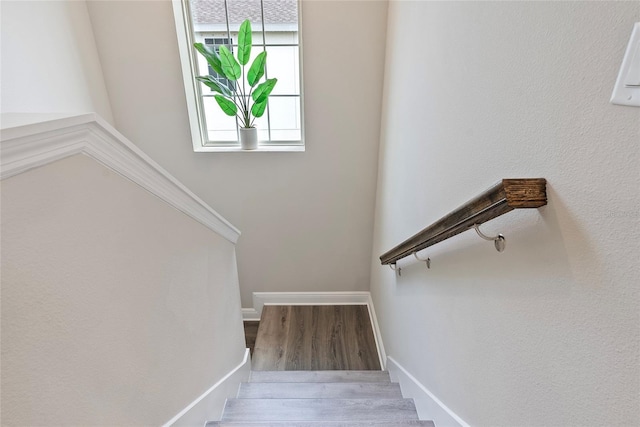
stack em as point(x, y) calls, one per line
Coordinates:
point(250, 334)
point(323, 337)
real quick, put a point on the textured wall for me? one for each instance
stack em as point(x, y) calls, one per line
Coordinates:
point(117, 309)
point(548, 332)
point(306, 218)
point(49, 59)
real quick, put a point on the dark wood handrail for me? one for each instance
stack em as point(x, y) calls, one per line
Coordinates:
point(501, 198)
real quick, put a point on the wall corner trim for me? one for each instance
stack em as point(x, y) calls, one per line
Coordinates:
point(260, 299)
point(33, 142)
point(428, 405)
point(209, 406)
point(250, 315)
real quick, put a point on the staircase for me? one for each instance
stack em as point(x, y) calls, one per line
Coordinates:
point(319, 398)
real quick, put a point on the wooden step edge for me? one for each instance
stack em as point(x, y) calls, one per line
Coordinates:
point(319, 376)
point(305, 410)
point(400, 423)
point(320, 390)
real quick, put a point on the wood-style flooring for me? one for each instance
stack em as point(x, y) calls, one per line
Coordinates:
point(313, 338)
point(250, 334)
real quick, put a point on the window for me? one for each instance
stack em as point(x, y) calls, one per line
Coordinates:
point(275, 27)
point(216, 43)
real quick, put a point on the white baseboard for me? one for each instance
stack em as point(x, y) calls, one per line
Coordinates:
point(428, 405)
point(260, 299)
point(376, 332)
point(250, 315)
point(209, 406)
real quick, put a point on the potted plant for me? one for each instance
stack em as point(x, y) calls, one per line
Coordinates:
point(246, 99)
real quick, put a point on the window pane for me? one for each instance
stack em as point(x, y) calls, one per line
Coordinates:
point(284, 116)
point(255, 51)
point(281, 37)
point(283, 63)
point(208, 15)
point(215, 43)
point(220, 127)
point(239, 10)
point(281, 21)
point(203, 68)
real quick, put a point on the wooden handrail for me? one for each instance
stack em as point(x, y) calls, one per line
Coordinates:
point(501, 198)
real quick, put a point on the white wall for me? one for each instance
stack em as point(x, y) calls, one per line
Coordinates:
point(306, 218)
point(117, 309)
point(49, 59)
point(546, 333)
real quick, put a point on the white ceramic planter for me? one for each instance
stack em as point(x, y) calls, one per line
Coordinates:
point(249, 138)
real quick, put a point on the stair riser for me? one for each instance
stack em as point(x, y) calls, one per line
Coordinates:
point(406, 423)
point(320, 391)
point(319, 376)
point(319, 409)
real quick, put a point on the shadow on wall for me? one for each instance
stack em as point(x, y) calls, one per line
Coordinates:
point(536, 251)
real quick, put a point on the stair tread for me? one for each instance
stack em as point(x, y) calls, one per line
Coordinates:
point(319, 409)
point(342, 390)
point(319, 376)
point(397, 423)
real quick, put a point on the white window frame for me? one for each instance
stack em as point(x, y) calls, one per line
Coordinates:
point(195, 109)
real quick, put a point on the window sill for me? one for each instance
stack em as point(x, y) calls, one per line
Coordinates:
point(260, 149)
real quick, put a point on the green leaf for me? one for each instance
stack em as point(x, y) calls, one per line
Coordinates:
point(258, 108)
point(211, 56)
point(215, 85)
point(230, 67)
point(227, 105)
point(244, 42)
point(263, 90)
point(257, 69)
